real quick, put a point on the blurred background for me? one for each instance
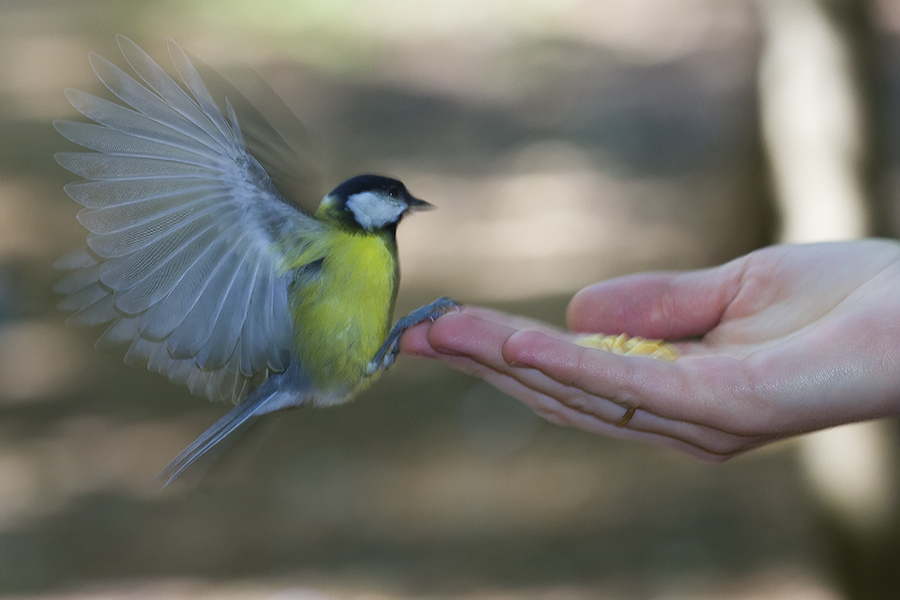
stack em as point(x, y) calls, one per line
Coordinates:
point(565, 141)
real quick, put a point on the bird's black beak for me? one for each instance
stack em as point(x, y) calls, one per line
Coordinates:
point(415, 205)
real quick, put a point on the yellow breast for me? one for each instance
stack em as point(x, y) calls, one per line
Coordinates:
point(343, 310)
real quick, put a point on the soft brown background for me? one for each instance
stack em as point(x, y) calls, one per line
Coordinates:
point(564, 142)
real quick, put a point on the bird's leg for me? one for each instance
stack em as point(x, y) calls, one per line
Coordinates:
point(389, 350)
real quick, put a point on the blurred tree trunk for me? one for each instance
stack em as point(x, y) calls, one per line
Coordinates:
point(820, 107)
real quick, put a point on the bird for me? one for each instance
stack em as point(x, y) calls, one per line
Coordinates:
point(206, 271)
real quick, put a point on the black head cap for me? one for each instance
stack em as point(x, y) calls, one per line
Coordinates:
point(373, 202)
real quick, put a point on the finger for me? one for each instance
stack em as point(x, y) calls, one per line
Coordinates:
point(465, 334)
point(476, 347)
point(683, 437)
point(710, 391)
point(657, 305)
point(711, 440)
point(694, 440)
point(472, 342)
point(509, 320)
point(415, 340)
point(708, 443)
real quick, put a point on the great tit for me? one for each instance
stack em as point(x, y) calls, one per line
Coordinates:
point(209, 273)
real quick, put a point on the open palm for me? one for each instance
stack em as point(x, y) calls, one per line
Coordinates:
point(784, 340)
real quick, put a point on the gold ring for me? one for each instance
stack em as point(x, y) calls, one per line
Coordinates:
point(629, 412)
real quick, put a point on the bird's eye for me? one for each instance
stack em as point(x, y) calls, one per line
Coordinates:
point(394, 192)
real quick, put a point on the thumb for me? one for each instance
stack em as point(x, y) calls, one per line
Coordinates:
point(656, 305)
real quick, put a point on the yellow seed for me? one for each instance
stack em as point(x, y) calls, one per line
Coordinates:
point(630, 346)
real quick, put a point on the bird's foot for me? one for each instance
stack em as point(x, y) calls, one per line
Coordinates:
point(389, 350)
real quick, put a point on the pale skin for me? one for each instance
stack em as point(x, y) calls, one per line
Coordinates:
point(784, 340)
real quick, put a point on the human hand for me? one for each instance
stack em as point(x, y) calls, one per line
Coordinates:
point(787, 339)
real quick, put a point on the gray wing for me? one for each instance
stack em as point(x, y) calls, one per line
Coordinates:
point(184, 262)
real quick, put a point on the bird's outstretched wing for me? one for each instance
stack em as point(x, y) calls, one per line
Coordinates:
point(185, 262)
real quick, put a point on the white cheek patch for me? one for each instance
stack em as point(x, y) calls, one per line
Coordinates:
point(373, 211)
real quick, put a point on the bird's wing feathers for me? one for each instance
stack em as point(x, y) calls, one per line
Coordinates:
point(184, 261)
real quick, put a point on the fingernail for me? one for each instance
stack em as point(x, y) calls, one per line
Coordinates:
point(506, 350)
point(518, 365)
point(448, 352)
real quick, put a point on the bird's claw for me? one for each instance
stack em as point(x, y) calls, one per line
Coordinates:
point(389, 350)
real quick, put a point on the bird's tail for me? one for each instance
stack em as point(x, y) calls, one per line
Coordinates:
point(259, 402)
